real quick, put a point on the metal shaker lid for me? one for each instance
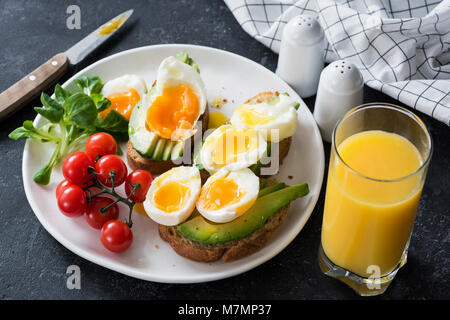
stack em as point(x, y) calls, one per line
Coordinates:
point(303, 30)
point(341, 77)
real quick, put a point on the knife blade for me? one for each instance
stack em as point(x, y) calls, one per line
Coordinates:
point(89, 43)
point(30, 86)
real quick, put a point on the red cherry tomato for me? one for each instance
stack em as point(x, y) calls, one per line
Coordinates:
point(111, 163)
point(100, 144)
point(72, 201)
point(62, 186)
point(141, 177)
point(116, 236)
point(95, 217)
point(91, 191)
point(75, 168)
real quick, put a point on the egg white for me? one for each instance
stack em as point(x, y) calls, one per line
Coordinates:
point(283, 118)
point(189, 177)
point(244, 160)
point(124, 84)
point(247, 181)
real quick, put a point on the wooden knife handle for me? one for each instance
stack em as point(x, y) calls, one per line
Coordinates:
point(31, 86)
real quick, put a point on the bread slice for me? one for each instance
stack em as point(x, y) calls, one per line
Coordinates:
point(156, 167)
point(262, 97)
point(227, 251)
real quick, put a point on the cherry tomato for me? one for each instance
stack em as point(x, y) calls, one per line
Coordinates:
point(97, 219)
point(100, 144)
point(75, 168)
point(72, 201)
point(62, 186)
point(91, 191)
point(111, 163)
point(141, 177)
point(116, 236)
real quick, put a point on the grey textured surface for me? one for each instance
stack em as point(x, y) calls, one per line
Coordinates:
point(33, 264)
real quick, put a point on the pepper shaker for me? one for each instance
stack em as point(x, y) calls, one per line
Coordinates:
point(340, 90)
point(301, 57)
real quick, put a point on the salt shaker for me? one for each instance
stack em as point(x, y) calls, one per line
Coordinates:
point(301, 57)
point(340, 90)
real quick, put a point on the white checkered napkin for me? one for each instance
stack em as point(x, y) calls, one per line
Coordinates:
point(402, 47)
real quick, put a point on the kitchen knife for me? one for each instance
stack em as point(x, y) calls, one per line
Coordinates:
point(31, 85)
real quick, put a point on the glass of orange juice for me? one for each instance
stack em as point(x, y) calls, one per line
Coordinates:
point(379, 158)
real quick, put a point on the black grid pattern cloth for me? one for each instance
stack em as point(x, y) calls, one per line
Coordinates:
point(402, 47)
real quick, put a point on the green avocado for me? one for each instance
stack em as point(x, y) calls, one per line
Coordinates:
point(202, 230)
point(168, 150)
point(183, 56)
point(270, 189)
point(177, 150)
point(196, 156)
point(159, 149)
point(143, 140)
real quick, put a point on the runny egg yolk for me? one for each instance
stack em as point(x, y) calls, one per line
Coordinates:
point(177, 108)
point(251, 117)
point(123, 103)
point(171, 196)
point(220, 193)
point(216, 119)
point(233, 143)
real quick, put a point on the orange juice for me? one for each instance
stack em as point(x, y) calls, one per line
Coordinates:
point(371, 201)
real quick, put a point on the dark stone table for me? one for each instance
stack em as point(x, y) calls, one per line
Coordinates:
point(33, 264)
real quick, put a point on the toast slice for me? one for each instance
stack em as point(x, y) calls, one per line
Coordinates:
point(157, 167)
point(227, 251)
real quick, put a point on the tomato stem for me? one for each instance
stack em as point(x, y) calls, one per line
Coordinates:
point(112, 192)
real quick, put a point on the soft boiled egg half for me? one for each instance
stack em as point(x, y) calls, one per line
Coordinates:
point(178, 99)
point(227, 195)
point(172, 196)
point(124, 93)
point(275, 119)
point(232, 148)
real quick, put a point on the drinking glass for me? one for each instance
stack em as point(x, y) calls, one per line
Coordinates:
point(368, 221)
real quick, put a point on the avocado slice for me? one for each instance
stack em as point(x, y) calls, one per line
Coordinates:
point(202, 230)
point(168, 150)
point(177, 150)
point(143, 140)
point(159, 149)
point(196, 156)
point(184, 57)
point(270, 189)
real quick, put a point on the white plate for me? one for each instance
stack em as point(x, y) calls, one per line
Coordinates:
point(150, 258)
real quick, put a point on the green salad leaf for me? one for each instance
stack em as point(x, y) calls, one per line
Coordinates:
point(113, 122)
point(61, 94)
point(72, 118)
point(80, 110)
point(101, 103)
point(51, 109)
point(90, 85)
